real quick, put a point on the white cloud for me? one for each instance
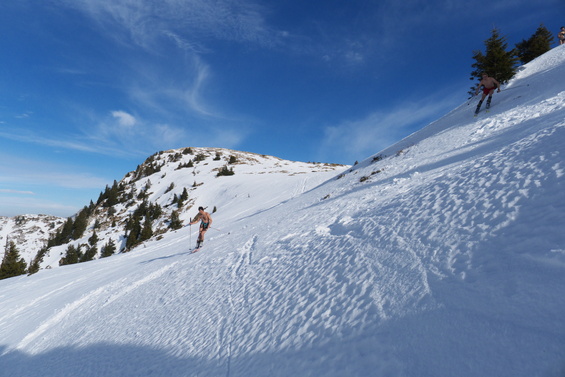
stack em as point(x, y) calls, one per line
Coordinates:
point(8, 191)
point(124, 119)
point(193, 94)
point(24, 115)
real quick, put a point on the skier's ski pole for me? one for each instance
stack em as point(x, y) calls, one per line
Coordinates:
point(215, 229)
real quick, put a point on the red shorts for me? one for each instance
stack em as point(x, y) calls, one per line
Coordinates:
point(488, 90)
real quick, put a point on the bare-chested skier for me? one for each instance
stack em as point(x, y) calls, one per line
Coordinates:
point(205, 222)
point(489, 84)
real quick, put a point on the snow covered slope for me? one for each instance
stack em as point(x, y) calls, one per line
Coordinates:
point(443, 255)
point(264, 181)
point(29, 232)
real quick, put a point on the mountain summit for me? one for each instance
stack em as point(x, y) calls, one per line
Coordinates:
point(161, 195)
point(443, 255)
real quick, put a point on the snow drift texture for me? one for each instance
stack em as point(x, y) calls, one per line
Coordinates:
point(443, 255)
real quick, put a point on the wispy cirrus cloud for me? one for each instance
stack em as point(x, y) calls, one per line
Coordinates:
point(17, 171)
point(186, 21)
point(9, 191)
point(171, 95)
point(121, 134)
point(159, 49)
point(360, 138)
point(31, 137)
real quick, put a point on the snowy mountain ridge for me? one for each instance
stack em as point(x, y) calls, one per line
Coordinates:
point(29, 232)
point(443, 255)
point(159, 180)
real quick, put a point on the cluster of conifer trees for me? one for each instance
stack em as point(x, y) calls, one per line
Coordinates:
point(500, 62)
point(12, 263)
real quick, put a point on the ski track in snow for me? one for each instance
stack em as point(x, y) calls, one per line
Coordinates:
point(105, 294)
point(513, 117)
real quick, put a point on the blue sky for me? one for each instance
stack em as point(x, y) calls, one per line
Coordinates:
point(90, 88)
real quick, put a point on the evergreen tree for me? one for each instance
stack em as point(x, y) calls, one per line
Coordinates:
point(66, 232)
point(89, 254)
point(71, 256)
point(142, 194)
point(108, 249)
point(80, 223)
point(147, 231)
point(183, 197)
point(36, 263)
point(134, 227)
point(111, 211)
point(175, 223)
point(72, 229)
point(141, 209)
point(12, 263)
point(92, 240)
point(225, 171)
point(154, 211)
point(496, 62)
point(538, 44)
point(110, 195)
point(170, 188)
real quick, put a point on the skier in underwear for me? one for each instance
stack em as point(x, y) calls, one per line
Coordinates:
point(205, 222)
point(489, 84)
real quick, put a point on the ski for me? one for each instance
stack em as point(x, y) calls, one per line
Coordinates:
point(199, 246)
point(485, 110)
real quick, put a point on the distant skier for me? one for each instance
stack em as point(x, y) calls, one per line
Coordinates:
point(489, 84)
point(561, 36)
point(205, 222)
